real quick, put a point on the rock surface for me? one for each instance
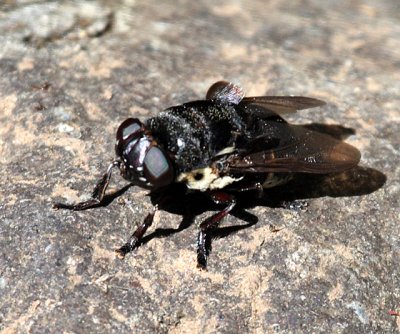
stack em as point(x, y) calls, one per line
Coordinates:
point(70, 72)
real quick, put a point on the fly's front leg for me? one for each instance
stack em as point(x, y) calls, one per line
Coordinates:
point(135, 238)
point(212, 223)
point(97, 194)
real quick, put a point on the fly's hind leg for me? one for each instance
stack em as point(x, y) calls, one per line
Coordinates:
point(251, 186)
point(211, 224)
point(97, 194)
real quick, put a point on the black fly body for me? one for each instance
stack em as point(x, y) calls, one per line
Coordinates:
point(222, 145)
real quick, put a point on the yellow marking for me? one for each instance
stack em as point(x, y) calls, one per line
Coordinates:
point(203, 184)
point(210, 179)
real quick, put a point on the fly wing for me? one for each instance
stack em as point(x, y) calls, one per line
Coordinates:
point(282, 104)
point(223, 91)
point(299, 150)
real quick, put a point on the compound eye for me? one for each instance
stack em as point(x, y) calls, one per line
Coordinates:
point(157, 168)
point(130, 128)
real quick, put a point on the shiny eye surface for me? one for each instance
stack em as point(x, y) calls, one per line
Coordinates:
point(157, 168)
point(131, 127)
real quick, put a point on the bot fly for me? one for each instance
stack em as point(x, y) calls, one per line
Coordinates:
point(223, 145)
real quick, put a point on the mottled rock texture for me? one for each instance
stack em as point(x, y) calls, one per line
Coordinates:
point(71, 71)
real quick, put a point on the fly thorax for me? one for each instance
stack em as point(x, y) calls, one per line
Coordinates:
point(188, 145)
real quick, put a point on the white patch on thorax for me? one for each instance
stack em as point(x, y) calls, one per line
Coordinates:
point(224, 181)
point(205, 179)
point(181, 143)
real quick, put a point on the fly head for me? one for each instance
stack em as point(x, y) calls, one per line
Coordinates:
point(143, 161)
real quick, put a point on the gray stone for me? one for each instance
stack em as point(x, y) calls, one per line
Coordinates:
point(70, 72)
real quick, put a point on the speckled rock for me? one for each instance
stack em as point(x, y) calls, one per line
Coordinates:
point(70, 72)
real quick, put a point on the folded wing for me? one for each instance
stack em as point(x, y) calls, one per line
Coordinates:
point(299, 150)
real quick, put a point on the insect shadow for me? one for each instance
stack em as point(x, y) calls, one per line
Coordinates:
point(353, 182)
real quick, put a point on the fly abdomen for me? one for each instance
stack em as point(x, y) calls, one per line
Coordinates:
point(276, 179)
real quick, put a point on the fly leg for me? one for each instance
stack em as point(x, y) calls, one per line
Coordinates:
point(211, 224)
point(97, 194)
point(252, 186)
point(136, 237)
